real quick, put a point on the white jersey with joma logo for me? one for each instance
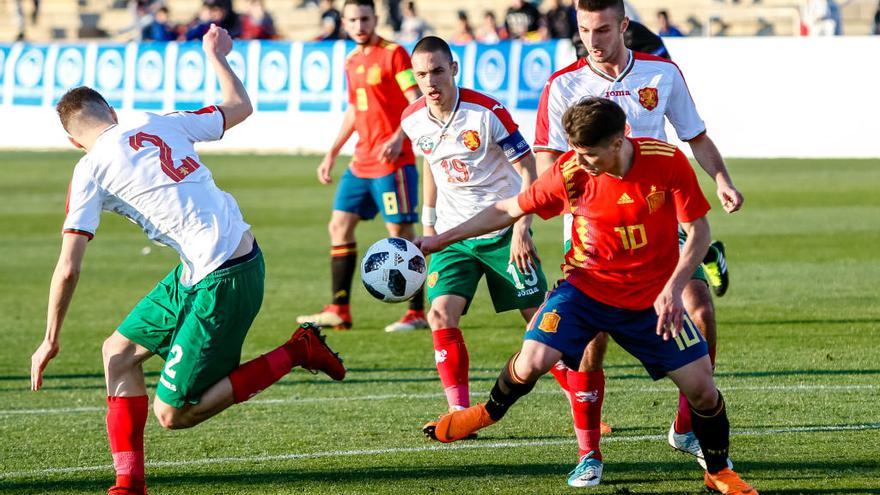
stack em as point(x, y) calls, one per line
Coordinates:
point(148, 171)
point(470, 156)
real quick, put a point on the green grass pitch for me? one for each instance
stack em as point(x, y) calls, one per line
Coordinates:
point(798, 354)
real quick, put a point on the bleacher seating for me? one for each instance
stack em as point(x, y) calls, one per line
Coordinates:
point(63, 19)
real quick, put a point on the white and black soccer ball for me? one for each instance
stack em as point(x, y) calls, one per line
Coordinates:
point(393, 269)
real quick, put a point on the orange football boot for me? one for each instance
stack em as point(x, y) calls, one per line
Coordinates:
point(458, 425)
point(728, 482)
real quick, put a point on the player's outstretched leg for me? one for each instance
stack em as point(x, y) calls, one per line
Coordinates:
point(516, 379)
point(450, 351)
point(715, 265)
point(306, 348)
point(586, 414)
point(711, 426)
point(343, 261)
point(701, 311)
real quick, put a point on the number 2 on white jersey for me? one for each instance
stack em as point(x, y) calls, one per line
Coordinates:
point(187, 166)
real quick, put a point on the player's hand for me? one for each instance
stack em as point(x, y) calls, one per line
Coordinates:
point(324, 169)
point(39, 360)
point(522, 251)
point(670, 312)
point(217, 41)
point(391, 149)
point(428, 244)
point(731, 198)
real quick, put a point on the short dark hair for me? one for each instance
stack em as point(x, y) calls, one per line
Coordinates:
point(598, 5)
point(593, 121)
point(360, 3)
point(430, 44)
point(78, 100)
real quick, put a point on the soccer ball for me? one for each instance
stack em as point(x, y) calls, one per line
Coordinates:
point(393, 269)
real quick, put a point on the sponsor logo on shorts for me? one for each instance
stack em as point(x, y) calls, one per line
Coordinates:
point(527, 292)
point(549, 322)
point(656, 199)
point(432, 279)
point(170, 386)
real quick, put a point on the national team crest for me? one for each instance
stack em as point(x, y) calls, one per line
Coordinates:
point(432, 279)
point(649, 98)
point(656, 199)
point(426, 144)
point(471, 140)
point(549, 322)
point(374, 75)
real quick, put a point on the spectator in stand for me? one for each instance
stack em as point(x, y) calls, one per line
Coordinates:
point(523, 21)
point(160, 29)
point(489, 31)
point(18, 16)
point(562, 20)
point(257, 24)
point(331, 22)
point(667, 29)
point(876, 29)
point(394, 18)
point(412, 28)
point(464, 33)
point(217, 12)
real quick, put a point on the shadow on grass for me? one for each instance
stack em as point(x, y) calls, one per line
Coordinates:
point(447, 478)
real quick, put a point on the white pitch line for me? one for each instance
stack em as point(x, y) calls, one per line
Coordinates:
point(411, 450)
point(307, 400)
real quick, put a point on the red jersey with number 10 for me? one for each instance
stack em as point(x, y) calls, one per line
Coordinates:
point(377, 77)
point(625, 230)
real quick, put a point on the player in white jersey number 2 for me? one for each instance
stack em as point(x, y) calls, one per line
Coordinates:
point(476, 157)
point(197, 317)
point(650, 90)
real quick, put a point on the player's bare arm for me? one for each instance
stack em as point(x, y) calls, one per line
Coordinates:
point(429, 201)
point(710, 160)
point(669, 305)
point(392, 148)
point(345, 132)
point(522, 248)
point(502, 214)
point(544, 159)
point(64, 280)
point(236, 104)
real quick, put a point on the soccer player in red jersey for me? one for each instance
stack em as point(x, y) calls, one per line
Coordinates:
point(627, 196)
point(382, 176)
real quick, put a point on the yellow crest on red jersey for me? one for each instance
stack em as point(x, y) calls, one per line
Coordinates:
point(470, 139)
point(549, 322)
point(656, 199)
point(374, 75)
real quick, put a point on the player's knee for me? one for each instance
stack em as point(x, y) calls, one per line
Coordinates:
point(170, 417)
point(440, 318)
point(703, 317)
point(118, 354)
point(594, 354)
point(703, 398)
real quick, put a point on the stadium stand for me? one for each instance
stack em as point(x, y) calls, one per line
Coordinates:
point(84, 19)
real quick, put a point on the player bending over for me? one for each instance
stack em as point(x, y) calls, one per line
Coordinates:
point(627, 278)
point(197, 317)
point(476, 157)
point(382, 176)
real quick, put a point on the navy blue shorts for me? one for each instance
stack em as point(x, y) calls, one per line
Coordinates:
point(395, 195)
point(569, 319)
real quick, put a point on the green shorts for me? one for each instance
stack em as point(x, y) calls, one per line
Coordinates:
point(198, 330)
point(458, 268)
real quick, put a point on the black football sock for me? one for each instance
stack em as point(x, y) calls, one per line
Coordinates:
point(712, 430)
point(343, 259)
point(417, 303)
point(507, 390)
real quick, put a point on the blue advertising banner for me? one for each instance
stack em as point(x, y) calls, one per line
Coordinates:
point(70, 70)
point(110, 73)
point(492, 72)
point(316, 81)
point(29, 76)
point(273, 90)
point(149, 81)
point(4, 56)
point(535, 68)
point(189, 81)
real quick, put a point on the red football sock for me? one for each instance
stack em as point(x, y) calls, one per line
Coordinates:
point(256, 375)
point(126, 418)
point(452, 360)
point(683, 415)
point(587, 390)
point(560, 372)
